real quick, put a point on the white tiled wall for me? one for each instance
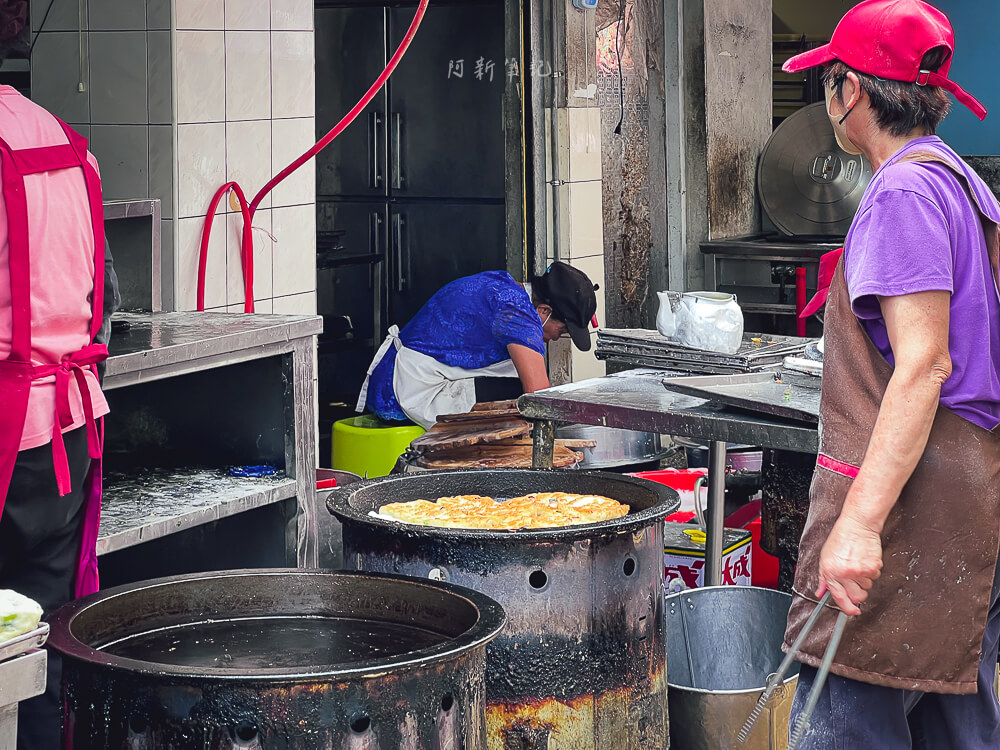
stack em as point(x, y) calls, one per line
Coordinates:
point(581, 216)
point(200, 75)
point(248, 75)
point(245, 104)
point(263, 248)
point(181, 96)
point(200, 14)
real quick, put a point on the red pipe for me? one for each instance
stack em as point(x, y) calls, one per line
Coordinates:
point(249, 210)
point(800, 300)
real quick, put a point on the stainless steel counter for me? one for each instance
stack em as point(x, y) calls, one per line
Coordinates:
point(159, 345)
point(22, 676)
point(152, 503)
point(155, 503)
point(637, 400)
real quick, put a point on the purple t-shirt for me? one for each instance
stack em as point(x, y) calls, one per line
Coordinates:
point(917, 230)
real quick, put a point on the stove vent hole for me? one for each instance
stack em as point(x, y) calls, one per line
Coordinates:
point(538, 579)
point(629, 567)
point(361, 723)
point(244, 732)
point(137, 725)
point(447, 701)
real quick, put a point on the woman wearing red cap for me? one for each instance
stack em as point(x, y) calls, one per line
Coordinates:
point(904, 516)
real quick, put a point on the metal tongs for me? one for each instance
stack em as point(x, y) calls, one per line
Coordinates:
point(778, 677)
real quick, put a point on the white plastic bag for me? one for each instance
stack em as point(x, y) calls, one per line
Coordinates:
point(18, 614)
point(710, 320)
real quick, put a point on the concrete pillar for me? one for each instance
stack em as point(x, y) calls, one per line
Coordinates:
point(573, 169)
point(737, 110)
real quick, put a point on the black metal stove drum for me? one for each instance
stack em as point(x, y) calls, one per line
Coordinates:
point(581, 664)
point(409, 650)
point(277, 659)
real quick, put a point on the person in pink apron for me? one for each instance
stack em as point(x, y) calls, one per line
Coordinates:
point(904, 515)
point(54, 316)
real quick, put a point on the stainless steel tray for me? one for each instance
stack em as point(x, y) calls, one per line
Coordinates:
point(758, 351)
point(757, 392)
point(32, 639)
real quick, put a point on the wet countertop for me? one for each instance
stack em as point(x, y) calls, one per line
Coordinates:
point(637, 400)
point(139, 506)
point(162, 339)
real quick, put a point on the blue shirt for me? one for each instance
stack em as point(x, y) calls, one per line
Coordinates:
point(468, 323)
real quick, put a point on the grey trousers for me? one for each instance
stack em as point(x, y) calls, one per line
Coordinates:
point(854, 715)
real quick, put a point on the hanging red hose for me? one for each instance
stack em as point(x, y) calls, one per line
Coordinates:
point(249, 210)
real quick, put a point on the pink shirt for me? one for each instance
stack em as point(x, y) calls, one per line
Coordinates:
point(61, 241)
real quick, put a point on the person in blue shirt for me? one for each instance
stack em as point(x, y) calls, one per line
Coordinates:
point(472, 333)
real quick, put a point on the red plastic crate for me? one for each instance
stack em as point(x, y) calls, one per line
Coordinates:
point(682, 480)
point(765, 567)
point(764, 571)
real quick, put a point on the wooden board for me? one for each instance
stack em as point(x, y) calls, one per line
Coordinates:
point(489, 409)
point(495, 405)
point(449, 435)
point(492, 457)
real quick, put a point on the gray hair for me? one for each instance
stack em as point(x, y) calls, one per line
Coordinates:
point(900, 107)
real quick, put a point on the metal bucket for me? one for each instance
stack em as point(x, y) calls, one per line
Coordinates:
point(722, 643)
point(615, 447)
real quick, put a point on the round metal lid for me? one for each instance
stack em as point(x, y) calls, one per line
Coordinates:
point(809, 185)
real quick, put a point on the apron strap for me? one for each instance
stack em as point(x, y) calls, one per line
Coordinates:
point(72, 369)
point(18, 256)
point(991, 230)
point(391, 339)
point(17, 164)
point(45, 159)
point(94, 193)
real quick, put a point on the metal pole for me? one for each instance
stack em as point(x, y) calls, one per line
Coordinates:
point(543, 444)
point(716, 512)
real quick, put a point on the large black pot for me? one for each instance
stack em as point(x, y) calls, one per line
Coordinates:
point(581, 663)
point(276, 659)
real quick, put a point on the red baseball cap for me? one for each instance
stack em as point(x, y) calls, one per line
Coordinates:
point(888, 39)
point(827, 267)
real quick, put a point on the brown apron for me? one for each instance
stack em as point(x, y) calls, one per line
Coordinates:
point(922, 625)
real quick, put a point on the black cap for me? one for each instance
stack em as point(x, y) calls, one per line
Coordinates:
point(570, 294)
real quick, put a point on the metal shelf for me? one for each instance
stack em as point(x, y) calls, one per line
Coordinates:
point(155, 503)
point(159, 345)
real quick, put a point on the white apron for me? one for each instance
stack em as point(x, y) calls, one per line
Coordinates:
point(426, 388)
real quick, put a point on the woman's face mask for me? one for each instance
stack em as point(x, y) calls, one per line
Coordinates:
point(839, 129)
point(554, 331)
